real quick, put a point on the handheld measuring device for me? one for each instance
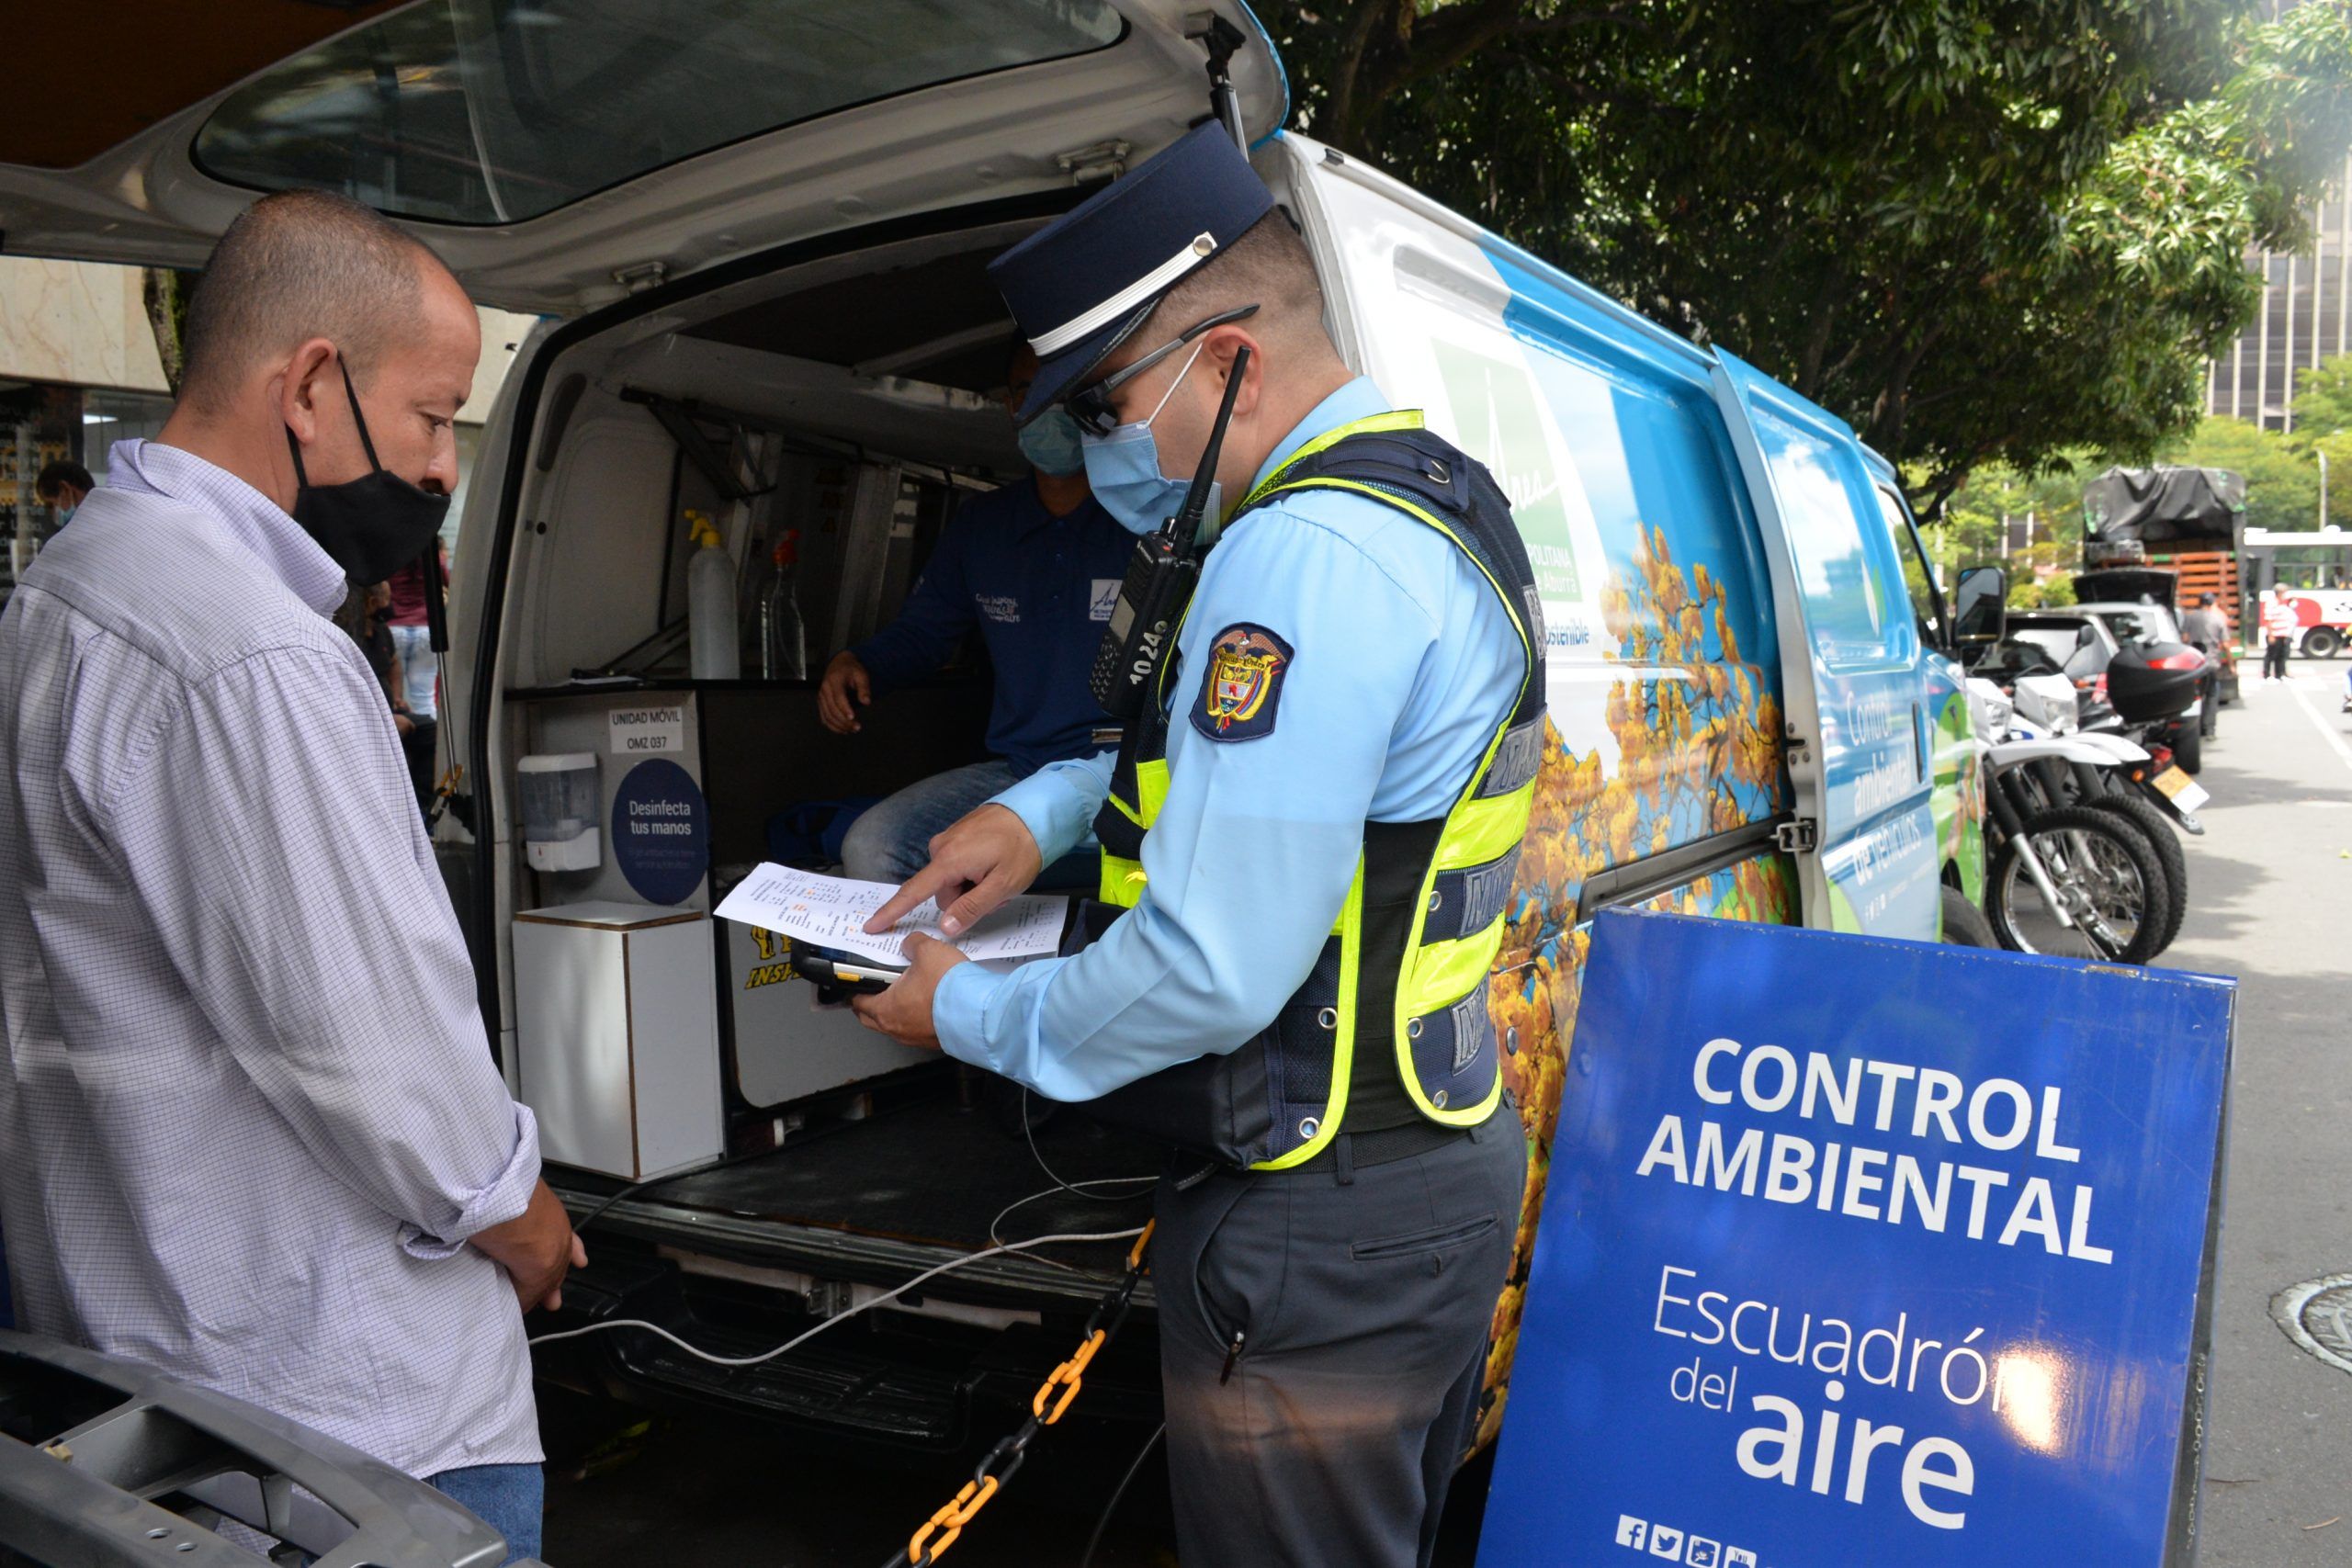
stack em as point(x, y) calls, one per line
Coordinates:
point(832, 970)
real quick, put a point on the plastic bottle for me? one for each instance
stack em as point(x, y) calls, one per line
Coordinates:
point(784, 639)
point(715, 645)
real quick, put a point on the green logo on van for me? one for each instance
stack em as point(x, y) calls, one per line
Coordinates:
point(1496, 421)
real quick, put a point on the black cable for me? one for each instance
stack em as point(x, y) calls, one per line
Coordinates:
point(1030, 1133)
point(633, 1187)
point(1118, 1492)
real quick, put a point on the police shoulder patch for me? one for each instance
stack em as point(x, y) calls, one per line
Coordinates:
point(1243, 684)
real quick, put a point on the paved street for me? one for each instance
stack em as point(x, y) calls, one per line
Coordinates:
point(2271, 886)
point(2271, 882)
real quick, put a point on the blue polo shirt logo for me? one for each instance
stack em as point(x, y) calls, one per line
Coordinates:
point(1001, 608)
point(1104, 600)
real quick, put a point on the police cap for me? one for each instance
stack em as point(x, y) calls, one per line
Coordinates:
point(1080, 286)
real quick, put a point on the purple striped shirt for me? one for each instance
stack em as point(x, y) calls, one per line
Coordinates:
point(248, 1116)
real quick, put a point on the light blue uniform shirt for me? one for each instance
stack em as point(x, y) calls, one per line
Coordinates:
point(1403, 664)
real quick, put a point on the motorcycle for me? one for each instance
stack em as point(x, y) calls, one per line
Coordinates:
point(2082, 866)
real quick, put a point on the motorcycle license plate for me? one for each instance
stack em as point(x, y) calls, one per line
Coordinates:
point(2181, 789)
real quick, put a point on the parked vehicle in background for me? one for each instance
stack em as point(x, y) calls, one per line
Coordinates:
point(2135, 622)
point(2084, 642)
point(2063, 880)
point(2316, 568)
point(2168, 536)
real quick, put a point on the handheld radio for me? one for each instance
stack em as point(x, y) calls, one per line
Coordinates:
point(1160, 576)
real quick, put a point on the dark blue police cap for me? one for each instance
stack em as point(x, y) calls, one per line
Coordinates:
point(1080, 285)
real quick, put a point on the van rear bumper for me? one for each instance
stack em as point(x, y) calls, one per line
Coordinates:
point(932, 1372)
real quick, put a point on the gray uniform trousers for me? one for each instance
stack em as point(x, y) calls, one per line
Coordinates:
point(1362, 1300)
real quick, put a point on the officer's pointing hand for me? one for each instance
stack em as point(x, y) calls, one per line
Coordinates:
point(903, 1013)
point(984, 859)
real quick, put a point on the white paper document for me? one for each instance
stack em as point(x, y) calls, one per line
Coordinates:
point(831, 911)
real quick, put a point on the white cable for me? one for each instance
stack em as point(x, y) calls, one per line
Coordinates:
point(838, 1319)
point(1071, 1187)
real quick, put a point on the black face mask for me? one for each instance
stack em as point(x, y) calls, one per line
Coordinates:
point(372, 525)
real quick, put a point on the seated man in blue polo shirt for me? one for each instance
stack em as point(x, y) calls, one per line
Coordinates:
point(1035, 567)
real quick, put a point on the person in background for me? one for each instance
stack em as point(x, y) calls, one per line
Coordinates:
point(62, 487)
point(1035, 567)
point(413, 636)
point(251, 1133)
point(2279, 624)
point(375, 637)
point(2204, 629)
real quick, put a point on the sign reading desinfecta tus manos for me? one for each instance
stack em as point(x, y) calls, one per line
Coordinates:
point(1861, 1252)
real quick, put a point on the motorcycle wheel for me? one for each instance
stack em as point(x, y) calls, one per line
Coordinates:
point(2188, 750)
point(2107, 875)
point(2154, 827)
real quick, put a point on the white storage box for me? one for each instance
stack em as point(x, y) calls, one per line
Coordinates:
point(616, 1020)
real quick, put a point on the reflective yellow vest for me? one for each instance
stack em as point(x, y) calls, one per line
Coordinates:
point(1391, 1029)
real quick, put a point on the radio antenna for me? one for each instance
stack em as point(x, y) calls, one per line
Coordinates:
point(1186, 525)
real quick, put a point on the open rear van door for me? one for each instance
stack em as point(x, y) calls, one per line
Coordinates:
point(1851, 663)
point(557, 153)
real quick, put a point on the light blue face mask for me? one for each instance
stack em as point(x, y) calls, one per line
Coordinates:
point(1124, 470)
point(1050, 442)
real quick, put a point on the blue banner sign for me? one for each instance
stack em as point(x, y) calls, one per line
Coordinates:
point(1860, 1252)
point(661, 831)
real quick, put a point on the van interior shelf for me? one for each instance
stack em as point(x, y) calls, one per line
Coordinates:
point(588, 684)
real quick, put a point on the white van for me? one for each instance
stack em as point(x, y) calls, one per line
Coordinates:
point(760, 235)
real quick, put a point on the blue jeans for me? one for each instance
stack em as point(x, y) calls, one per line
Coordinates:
point(891, 840)
point(419, 666)
point(509, 1498)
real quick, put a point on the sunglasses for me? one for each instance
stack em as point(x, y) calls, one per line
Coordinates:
point(1090, 404)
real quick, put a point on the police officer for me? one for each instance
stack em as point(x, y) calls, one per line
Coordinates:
point(1308, 837)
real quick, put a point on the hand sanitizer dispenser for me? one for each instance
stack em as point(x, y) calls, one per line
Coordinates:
point(560, 811)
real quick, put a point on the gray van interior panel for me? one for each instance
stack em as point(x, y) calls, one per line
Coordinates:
point(938, 320)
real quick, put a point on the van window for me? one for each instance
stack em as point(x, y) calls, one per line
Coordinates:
point(1847, 604)
point(491, 113)
point(1918, 581)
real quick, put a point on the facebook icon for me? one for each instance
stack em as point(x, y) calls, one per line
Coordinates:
point(1630, 1531)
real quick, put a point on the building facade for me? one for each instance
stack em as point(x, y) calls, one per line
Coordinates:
point(2302, 321)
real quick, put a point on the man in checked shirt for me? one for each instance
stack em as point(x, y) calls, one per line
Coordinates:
point(250, 1129)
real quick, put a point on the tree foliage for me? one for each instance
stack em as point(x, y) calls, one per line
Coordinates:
point(2032, 523)
point(1977, 229)
point(2281, 481)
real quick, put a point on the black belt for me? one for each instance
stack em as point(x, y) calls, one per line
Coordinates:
point(1381, 1145)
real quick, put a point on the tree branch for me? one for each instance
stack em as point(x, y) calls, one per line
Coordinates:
point(1357, 38)
point(1452, 35)
point(1816, 342)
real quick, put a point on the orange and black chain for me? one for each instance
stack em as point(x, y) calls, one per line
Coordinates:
point(939, 1532)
